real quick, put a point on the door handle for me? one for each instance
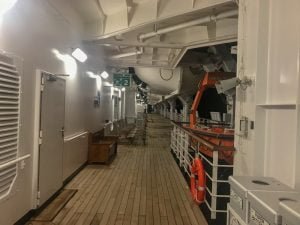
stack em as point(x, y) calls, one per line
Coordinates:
point(62, 132)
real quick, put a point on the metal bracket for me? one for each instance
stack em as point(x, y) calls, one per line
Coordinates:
point(40, 137)
point(244, 127)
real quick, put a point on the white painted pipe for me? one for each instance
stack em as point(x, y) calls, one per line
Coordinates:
point(122, 55)
point(180, 26)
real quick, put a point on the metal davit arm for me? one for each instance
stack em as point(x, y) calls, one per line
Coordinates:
point(209, 81)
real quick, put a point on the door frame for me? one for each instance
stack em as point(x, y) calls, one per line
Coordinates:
point(36, 136)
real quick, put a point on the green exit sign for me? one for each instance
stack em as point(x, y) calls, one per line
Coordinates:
point(122, 80)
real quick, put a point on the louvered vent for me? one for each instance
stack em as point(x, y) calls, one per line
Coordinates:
point(9, 121)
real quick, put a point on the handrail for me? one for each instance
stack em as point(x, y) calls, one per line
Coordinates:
point(5, 165)
point(73, 136)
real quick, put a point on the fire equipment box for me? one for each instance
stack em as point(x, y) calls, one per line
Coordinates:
point(290, 211)
point(233, 218)
point(264, 206)
point(241, 185)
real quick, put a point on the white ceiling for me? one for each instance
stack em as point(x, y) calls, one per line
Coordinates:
point(113, 27)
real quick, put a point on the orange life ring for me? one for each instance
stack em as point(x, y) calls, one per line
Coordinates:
point(197, 181)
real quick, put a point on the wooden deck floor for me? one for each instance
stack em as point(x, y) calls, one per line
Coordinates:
point(143, 186)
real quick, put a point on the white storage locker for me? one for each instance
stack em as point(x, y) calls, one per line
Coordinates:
point(233, 218)
point(290, 211)
point(264, 206)
point(241, 185)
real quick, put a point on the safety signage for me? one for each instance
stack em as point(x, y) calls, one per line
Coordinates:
point(122, 80)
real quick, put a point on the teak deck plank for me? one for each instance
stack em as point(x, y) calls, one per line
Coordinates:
point(142, 186)
point(55, 206)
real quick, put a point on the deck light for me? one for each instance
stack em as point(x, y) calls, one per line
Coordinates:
point(97, 77)
point(91, 74)
point(79, 55)
point(69, 63)
point(104, 75)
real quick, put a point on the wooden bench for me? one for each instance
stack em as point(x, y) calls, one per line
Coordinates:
point(102, 149)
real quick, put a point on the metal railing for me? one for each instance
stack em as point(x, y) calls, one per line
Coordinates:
point(184, 151)
point(178, 117)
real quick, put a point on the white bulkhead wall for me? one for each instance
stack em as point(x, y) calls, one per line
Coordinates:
point(31, 30)
point(268, 52)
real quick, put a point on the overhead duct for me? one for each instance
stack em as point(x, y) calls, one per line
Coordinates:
point(180, 26)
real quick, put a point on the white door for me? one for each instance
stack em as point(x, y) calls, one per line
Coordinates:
point(51, 133)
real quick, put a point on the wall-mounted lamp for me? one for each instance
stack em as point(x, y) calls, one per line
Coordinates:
point(79, 55)
point(97, 77)
point(91, 74)
point(123, 89)
point(107, 84)
point(69, 62)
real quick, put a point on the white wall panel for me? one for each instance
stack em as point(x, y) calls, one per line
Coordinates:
point(268, 52)
point(75, 153)
point(245, 100)
point(283, 52)
point(280, 144)
point(31, 30)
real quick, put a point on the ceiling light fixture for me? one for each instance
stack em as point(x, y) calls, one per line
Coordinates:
point(104, 75)
point(79, 55)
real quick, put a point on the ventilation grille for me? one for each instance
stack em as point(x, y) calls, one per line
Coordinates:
point(7, 177)
point(9, 121)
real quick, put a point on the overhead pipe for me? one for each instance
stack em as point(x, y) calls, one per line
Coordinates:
point(195, 22)
point(138, 51)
